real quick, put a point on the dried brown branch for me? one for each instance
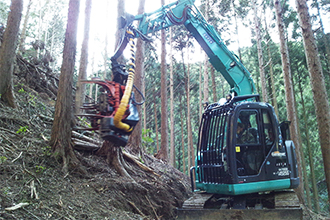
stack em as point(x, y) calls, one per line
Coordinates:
point(136, 208)
point(152, 208)
point(138, 163)
point(15, 207)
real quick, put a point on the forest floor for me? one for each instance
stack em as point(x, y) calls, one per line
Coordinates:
point(30, 176)
point(32, 185)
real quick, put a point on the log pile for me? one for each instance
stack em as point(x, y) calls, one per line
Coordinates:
point(37, 77)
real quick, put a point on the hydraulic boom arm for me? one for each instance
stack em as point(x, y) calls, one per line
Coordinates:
point(115, 114)
point(223, 60)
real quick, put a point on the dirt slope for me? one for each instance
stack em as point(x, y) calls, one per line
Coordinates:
point(30, 176)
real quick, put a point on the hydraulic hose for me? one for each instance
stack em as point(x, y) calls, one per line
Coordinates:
point(117, 120)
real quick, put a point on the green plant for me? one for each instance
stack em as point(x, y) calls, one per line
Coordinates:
point(147, 140)
point(84, 122)
point(32, 99)
point(3, 159)
point(141, 160)
point(22, 130)
point(47, 150)
point(6, 190)
point(40, 169)
point(21, 90)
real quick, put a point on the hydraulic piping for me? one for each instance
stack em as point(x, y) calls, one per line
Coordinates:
point(117, 120)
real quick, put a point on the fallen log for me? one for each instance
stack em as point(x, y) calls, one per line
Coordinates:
point(83, 145)
point(85, 138)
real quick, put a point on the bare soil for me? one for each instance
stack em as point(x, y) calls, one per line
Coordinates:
point(29, 175)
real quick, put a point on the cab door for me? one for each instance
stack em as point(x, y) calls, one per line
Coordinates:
point(248, 148)
point(253, 142)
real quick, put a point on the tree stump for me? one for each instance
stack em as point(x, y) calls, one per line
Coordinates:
point(114, 157)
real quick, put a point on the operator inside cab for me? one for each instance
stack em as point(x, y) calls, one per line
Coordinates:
point(243, 135)
point(248, 149)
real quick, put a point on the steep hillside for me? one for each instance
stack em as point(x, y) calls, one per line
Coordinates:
point(29, 176)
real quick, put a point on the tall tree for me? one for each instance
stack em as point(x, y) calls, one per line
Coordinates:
point(136, 136)
point(7, 52)
point(236, 29)
point(260, 54)
point(308, 146)
point(206, 61)
point(156, 122)
point(23, 33)
point(214, 87)
point(200, 106)
point(172, 149)
point(271, 72)
point(61, 131)
point(189, 129)
point(163, 153)
point(120, 32)
point(81, 87)
point(324, 36)
point(289, 94)
point(182, 137)
point(105, 55)
point(320, 96)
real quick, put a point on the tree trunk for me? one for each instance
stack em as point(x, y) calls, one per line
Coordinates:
point(271, 72)
point(200, 105)
point(7, 52)
point(81, 87)
point(182, 138)
point(324, 36)
point(206, 61)
point(309, 150)
point(290, 100)
point(318, 86)
point(214, 88)
point(135, 139)
point(272, 80)
point(172, 149)
point(163, 153)
point(105, 55)
point(189, 129)
point(188, 121)
point(23, 33)
point(260, 54)
point(156, 123)
point(120, 32)
point(303, 166)
point(61, 131)
point(236, 30)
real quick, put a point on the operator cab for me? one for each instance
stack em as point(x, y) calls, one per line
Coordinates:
point(240, 142)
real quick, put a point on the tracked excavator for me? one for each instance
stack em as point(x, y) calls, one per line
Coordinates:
point(245, 161)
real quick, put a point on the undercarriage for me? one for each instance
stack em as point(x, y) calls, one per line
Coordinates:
point(272, 205)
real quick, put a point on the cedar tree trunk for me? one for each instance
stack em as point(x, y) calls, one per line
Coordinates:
point(318, 86)
point(163, 153)
point(81, 87)
point(135, 139)
point(290, 100)
point(61, 131)
point(7, 52)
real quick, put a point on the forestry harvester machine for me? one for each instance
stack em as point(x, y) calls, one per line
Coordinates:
point(245, 163)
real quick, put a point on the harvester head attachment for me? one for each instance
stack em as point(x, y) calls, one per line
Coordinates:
point(102, 112)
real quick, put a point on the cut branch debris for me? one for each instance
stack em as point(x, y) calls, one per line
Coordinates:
point(15, 207)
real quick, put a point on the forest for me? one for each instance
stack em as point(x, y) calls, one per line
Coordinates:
point(48, 48)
